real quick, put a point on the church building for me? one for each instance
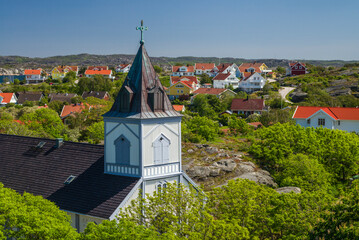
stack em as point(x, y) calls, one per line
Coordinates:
point(142, 152)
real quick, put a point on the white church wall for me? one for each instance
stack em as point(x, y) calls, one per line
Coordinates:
point(152, 131)
point(83, 220)
point(151, 185)
point(113, 131)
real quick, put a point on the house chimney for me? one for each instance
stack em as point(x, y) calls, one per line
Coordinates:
point(59, 142)
point(247, 97)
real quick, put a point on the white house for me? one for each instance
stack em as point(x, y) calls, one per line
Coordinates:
point(207, 68)
point(252, 82)
point(34, 76)
point(227, 68)
point(124, 68)
point(224, 80)
point(340, 118)
point(182, 71)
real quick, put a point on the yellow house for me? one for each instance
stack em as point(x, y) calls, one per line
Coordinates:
point(60, 72)
point(179, 89)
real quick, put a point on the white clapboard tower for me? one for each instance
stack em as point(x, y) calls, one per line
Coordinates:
point(143, 131)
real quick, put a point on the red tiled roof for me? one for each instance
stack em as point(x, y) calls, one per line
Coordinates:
point(175, 79)
point(123, 65)
point(223, 66)
point(221, 76)
point(247, 104)
point(32, 71)
point(100, 72)
point(97, 68)
point(73, 68)
point(295, 63)
point(244, 69)
point(212, 91)
point(6, 97)
point(337, 113)
point(176, 68)
point(247, 74)
point(178, 108)
point(73, 108)
point(204, 66)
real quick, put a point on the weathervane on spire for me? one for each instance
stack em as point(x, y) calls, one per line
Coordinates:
point(142, 28)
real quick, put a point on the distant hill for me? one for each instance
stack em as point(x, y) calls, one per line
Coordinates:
point(115, 59)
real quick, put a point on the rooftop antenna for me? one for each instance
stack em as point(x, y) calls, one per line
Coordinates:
point(142, 28)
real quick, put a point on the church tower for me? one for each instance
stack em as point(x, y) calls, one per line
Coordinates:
point(142, 130)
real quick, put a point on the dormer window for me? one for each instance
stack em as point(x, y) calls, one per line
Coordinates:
point(156, 98)
point(125, 99)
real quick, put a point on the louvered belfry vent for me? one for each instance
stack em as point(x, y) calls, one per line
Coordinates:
point(142, 94)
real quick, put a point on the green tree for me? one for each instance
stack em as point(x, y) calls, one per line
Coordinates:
point(341, 219)
point(204, 78)
point(32, 217)
point(237, 126)
point(94, 133)
point(57, 105)
point(158, 69)
point(70, 77)
point(203, 127)
point(179, 212)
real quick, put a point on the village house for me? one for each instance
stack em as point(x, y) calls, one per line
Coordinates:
point(248, 106)
point(231, 68)
point(102, 72)
point(92, 183)
point(97, 94)
point(182, 86)
point(63, 97)
point(60, 72)
point(72, 109)
point(6, 98)
point(34, 75)
point(179, 108)
point(182, 70)
point(340, 118)
point(123, 68)
point(22, 97)
point(207, 68)
point(224, 80)
point(252, 82)
point(218, 92)
point(296, 68)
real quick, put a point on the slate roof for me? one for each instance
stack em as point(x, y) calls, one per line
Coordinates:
point(96, 94)
point(337, 113)
point(43, 172)
point(247, 104)
point(28, 96)
point(64, 97)
point(142, 80)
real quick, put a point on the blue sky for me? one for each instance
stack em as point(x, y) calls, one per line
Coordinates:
point(306, 29)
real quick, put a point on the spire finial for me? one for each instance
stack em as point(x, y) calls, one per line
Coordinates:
point(142, 28)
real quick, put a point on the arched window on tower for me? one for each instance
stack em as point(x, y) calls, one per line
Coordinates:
point(123, 147)
point(161, 150)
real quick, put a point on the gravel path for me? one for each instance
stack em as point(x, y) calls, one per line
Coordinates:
point(283, 91)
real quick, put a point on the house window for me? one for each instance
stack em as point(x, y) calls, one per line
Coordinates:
point(161, 187)
point(321, 121)
point(123, 147)
point(308, 121)
point(338, 122)
point(161, 150)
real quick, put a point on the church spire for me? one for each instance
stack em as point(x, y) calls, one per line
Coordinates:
point(142, 94)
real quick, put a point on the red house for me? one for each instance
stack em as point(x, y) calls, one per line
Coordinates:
point(296, 68)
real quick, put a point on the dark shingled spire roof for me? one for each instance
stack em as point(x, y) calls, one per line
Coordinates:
point(142, 94)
